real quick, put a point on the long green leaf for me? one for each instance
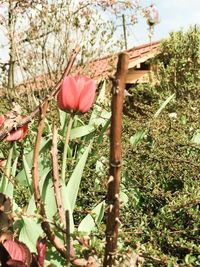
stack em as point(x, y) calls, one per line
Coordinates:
point(22, 175)
point(4, 181)
point(71, 190)
point(137, 137)
point(81, 131)
point(27, 173)
point(31, 206)
point(48, 197)
point(10, 188)
point(63, 118)
point(163, 105)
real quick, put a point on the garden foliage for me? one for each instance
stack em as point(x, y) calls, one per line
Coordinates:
point(179, 63)
point(160, 179)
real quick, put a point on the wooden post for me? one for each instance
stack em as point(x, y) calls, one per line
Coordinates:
point(113, 220)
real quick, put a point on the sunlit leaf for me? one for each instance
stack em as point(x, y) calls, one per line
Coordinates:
point(163, 105)
point(27, 173)
point(123, 198)
point(196, 138)
point(30, 232)
point(70, 192)
point(137, 137)
point(48, 197)
point(90, 222)
point(81, 131)
point(4, 180)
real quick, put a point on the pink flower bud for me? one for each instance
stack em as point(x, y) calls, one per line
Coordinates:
point(18, 252)
point(41, 250)
point(14, 135)
point(76, 93)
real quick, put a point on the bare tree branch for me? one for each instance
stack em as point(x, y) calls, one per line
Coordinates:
point(12, 123)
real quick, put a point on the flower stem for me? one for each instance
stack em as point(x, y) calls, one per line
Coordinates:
point(69, 127)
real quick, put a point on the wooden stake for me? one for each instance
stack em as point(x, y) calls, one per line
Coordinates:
point(115, 161)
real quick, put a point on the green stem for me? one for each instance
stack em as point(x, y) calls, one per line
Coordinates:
point(69, 127)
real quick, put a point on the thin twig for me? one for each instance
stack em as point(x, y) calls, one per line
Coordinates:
point(56, 181)
point(12, 123)
point(115, 162)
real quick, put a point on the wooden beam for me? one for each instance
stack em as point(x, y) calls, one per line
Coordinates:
point(133, 62)
point(137, 76)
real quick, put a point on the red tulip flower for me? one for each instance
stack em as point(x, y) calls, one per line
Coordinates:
point(14, 135)
point(76, 93)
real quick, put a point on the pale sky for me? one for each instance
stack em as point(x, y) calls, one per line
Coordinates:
point(174, 15)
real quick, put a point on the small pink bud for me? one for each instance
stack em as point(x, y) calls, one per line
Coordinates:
point(41, 250)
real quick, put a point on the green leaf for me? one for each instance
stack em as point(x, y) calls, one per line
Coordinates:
point(196, 138)
point(10, 188)
point(14, 167)
point(101, 135)
point(189, 259)
point(4, 180)
point(137, 137)
point(123, 198)
point(163, 105)
point(45, 145)
point(63, 118)
point(90, 222)
point(81, 131)
point(27, 173)
point(75, 179)
point(30, 232)
point(31, 205)
point(70, 192)
point(22, 177)
point(48, 197)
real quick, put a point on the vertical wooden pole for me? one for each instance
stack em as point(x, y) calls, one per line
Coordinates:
point(115, 161)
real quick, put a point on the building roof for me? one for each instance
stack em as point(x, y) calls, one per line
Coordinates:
point(98, 69)
point(102, 68)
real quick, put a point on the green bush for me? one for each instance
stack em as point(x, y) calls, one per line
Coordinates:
point(179, 63)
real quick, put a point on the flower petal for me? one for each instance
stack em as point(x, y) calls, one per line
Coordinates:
point(18, 251)
point(87, 96)
point(18, 134)
point(69, 94)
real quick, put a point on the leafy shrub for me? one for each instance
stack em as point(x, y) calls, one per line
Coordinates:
point(179, 63)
